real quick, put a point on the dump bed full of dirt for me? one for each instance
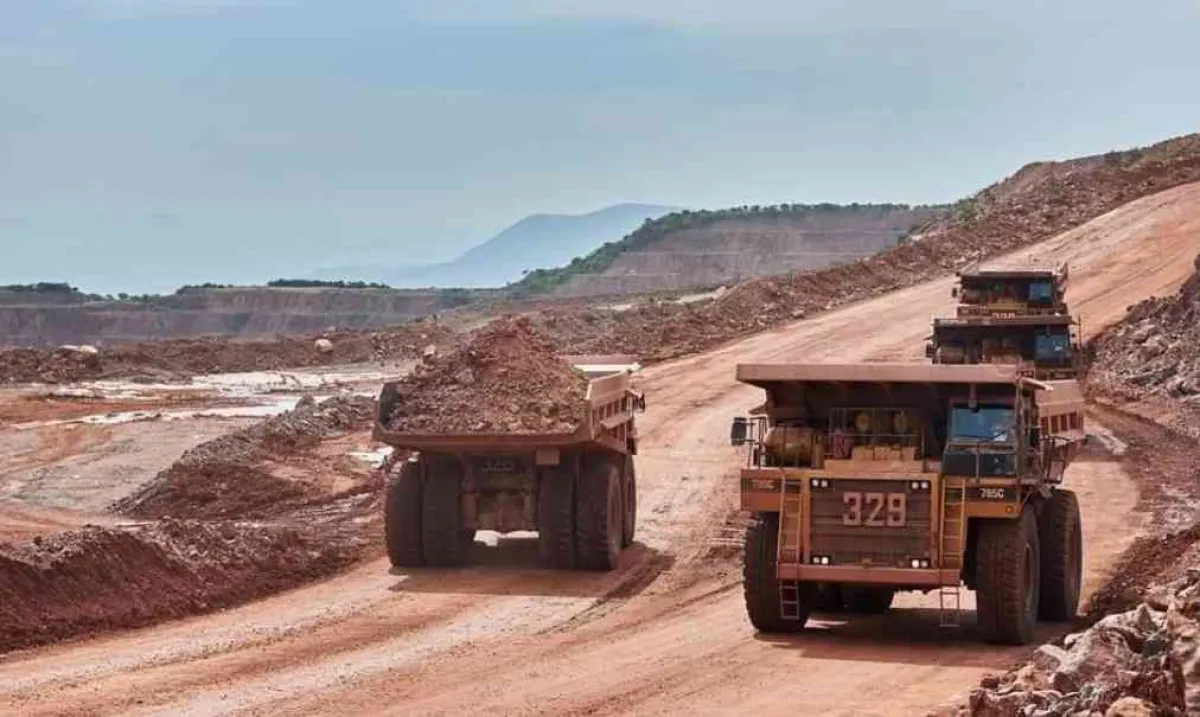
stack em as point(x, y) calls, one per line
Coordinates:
point(505, 379)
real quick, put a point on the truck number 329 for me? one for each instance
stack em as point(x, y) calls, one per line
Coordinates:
point(876, 510)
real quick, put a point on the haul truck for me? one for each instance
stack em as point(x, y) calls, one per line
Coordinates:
point(864, 480)
point(1013, 316)
point(578, 490)
point(1007, 291)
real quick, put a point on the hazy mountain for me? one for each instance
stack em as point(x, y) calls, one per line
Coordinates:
point(537, 241)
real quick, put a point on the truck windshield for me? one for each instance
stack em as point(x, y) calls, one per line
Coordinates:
point(1052, 346)
point(989, 424)
point(1040, 291)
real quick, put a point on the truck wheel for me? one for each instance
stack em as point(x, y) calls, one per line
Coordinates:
point(402, 517)
point(629, 497)
point(759, 583)
point(1062, 557)
point(868, 601)
point(556, 515)
point(1008, 573)
point(446, 543)
point(598, 514)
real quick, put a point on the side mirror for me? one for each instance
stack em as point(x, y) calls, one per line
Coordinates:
point(739, 432)
point(1035, 437)
point(929, 350)
point(954, 292)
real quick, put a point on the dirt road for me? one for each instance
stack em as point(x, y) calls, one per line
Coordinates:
point(666, 633)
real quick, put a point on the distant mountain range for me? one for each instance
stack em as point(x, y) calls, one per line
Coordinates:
point(536, 242)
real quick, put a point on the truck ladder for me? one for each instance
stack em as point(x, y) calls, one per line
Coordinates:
point(953, 538)
point(789, 600)
point(790, 546)
point(791, 524)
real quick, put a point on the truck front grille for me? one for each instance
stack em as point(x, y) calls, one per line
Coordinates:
point(875, 522)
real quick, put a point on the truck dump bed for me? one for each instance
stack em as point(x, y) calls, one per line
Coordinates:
point(611, 402)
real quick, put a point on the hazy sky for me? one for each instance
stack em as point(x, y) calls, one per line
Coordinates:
point(149, 143)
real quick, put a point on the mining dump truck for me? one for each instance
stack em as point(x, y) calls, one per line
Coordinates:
point(864, 480)
point(1010, 316)
point(578, 490)
point(1001, 291)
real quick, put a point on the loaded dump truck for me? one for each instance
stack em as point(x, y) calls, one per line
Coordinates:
point(577, 489)
point(868, 479)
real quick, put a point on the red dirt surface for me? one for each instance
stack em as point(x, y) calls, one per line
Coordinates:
point(505, 379)
point(1169, 488)
point(97, 579)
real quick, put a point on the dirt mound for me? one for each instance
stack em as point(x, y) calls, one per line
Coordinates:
point(224, 478)
point(1142, 662)
point(97, 579)
point(48, 366)
point(179, 359)
point(505, 378)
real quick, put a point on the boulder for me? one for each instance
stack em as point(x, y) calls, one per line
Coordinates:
point(1130, 707)
point(1098, 656)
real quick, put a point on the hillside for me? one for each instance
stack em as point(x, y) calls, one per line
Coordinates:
point(708, 248)
point(55, 318)
point(1038, 202)
point(539, 240)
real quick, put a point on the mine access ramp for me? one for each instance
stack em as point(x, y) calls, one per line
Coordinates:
point(867, 479)
point(578, 490)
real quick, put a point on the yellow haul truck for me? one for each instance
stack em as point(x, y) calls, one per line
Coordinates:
point(868, 479)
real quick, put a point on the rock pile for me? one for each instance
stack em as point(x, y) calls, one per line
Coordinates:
point(1155, 349)
point(1142, 662)
point(506, 378)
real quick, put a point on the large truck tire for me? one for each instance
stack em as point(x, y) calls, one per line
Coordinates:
point(556, 515)
point(402, 517)
point(759, 583)
point(629, 498)
point(446, 544)
point(1008, 573)
point(599, 514)
point(1061, 535)
point(862, 600)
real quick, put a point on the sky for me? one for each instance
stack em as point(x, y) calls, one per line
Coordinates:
point(145, 144)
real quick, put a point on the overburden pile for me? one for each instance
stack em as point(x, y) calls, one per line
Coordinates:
point(1155, 349)
point(506, 378)
point(180, 359)
point(1142, 662)
point(224, 478)
point(98, 579)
